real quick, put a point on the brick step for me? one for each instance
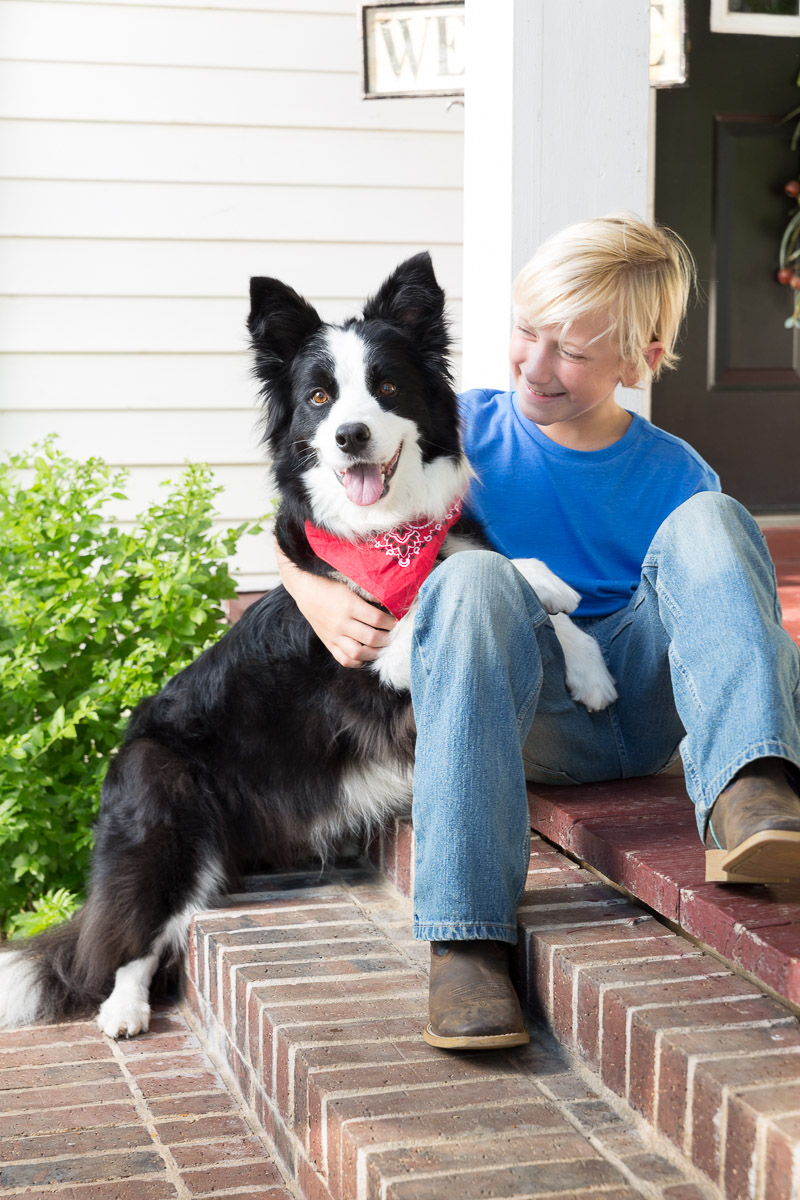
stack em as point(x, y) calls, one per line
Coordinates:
point(706, 1054)
point(85, 1118)
point(784, 546)
point(642, 835)
point(335, 1091)
point(314, 994)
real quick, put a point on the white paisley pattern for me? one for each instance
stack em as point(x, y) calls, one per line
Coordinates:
point(407, 541)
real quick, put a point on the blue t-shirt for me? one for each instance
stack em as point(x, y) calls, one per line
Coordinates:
point(589, 514)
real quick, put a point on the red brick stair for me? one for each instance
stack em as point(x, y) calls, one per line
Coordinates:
point(84, 1118)
point(703, 1053)
point(642, 835)
point(314, 1080)
point(665, 1059)
point(314, 993)
point(784, 546)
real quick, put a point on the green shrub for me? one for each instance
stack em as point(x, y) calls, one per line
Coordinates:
point(92, 620)
point(50, 909)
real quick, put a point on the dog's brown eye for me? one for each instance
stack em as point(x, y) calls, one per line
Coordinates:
point(387, 389)
point(319, 397)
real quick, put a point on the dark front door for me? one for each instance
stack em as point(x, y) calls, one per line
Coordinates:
point(722, 159)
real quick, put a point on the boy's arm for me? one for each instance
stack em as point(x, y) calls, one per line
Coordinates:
point(350, 627)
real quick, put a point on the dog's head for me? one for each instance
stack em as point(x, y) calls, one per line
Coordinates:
point(361, 418)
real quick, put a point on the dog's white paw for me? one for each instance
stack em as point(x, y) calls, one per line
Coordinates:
point(126, 1012)
point(123, 1016)
point(555, 596)
point(589, 680)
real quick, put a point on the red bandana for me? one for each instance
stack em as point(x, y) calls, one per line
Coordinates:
point(393, 566)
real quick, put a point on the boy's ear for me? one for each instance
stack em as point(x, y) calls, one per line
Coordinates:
point(652, 356)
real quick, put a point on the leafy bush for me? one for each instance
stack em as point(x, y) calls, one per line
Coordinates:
point(50, 909)
point(92, 620)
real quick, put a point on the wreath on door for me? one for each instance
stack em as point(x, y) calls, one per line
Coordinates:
point(789, 253)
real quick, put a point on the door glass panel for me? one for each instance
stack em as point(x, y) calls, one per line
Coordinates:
point(775, 8)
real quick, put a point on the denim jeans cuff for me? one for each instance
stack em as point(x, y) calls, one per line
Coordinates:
point(452, 931)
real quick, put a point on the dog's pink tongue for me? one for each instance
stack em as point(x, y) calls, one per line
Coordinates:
point(363, 483)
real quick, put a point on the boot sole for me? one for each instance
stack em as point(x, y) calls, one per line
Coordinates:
point(770, 856)
point(489, 1041)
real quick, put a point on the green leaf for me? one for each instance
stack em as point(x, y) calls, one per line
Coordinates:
point(92, 620)
point(54, 658)
point(53, 908)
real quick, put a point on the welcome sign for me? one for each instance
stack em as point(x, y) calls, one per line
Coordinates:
point(412, 49)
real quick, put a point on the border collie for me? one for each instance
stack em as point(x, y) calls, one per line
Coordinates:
point(265, 749)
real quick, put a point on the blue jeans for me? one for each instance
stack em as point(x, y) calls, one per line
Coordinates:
point(702, 664)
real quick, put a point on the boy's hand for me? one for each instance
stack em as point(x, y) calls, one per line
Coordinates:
point(352, 629)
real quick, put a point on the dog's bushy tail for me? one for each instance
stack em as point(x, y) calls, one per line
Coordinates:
point(49, 978)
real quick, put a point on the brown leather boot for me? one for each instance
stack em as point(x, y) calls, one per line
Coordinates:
point(473, 1005)
point(755, 826)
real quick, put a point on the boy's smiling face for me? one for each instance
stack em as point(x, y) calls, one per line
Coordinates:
point(571, 380)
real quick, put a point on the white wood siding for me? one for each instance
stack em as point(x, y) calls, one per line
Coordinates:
point(152, 158)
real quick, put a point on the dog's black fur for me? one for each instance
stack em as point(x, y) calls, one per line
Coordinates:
point(263, 749)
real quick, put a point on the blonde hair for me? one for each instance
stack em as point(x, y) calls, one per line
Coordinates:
point(640, 274)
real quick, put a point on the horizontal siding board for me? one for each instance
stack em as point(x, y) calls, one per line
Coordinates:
point(305, 6)
point(236, 38)
point(341, 158)
point(255, 582)
point(129, 438)
point(192, 211)
point(74, 266)
point(197, 96)
point(129, 325)
point(59, 383)
point(45, 323)
point(246, 490)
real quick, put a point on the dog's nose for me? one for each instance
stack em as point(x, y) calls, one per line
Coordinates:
point(353, 437)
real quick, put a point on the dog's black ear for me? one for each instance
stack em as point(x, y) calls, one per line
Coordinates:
point(280, 321)
point(411, 299)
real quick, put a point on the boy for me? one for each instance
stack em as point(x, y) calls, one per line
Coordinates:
point(677, 587)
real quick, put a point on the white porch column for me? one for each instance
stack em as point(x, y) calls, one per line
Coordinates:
point(556, 125)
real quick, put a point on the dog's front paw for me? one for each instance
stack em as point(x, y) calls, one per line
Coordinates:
point(555, 596)
point(588, 679)
point(123, 1016)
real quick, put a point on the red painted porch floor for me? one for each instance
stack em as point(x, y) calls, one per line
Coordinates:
point(641, 834)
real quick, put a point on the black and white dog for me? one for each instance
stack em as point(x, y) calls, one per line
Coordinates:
point(265, 749)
